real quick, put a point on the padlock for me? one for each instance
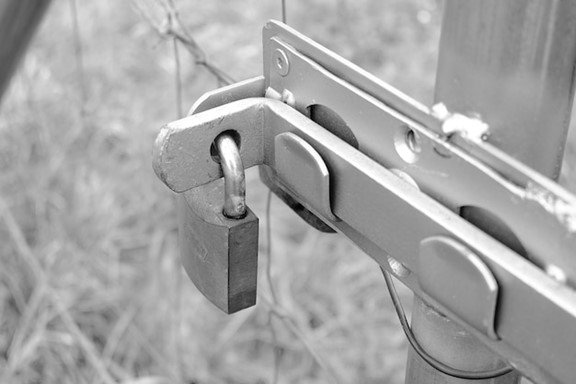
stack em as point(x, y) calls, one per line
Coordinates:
point(218, 234)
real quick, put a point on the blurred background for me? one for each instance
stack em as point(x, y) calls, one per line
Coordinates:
point(91, 286)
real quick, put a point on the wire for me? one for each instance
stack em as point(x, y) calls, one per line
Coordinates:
point(460, 374)
point(276, 356)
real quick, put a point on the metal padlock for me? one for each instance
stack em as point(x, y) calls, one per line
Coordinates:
point(219, 242)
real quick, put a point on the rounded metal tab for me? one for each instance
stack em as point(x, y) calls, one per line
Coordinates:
point(457, 278)
point(234, 177)
point(303, 171)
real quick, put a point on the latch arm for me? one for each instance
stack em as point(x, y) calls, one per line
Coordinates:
point(385, 215)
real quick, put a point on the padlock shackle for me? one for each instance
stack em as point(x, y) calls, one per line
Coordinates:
point(234, 177)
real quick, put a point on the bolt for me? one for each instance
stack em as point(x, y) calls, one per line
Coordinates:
point(280, 62)
point(288, 98)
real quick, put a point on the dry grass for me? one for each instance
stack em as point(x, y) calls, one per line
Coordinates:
point(91, 289)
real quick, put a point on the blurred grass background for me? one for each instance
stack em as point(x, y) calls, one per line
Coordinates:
point(91, 288)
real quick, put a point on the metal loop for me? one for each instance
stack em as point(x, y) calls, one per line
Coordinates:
point(234, 178)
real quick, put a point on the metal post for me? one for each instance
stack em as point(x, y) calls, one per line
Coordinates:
point(18, 21)
point(512, 62)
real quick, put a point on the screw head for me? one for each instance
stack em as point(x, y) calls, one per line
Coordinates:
point(280, 62)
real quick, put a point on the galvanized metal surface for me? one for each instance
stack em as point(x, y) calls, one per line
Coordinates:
point(513, 192)
point(303, 173)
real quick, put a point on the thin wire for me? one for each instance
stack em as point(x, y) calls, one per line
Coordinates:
point(276, 372)
point(284, 12)
point(460, 374)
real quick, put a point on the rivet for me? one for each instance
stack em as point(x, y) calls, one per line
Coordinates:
point(280, 62)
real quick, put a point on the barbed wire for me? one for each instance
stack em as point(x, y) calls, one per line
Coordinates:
point(170, 26)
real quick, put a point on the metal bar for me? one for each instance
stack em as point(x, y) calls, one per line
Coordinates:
point(512, 62)
point(361, 101)
point(18, 22)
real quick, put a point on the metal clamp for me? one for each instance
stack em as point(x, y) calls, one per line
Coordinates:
point(234, 177)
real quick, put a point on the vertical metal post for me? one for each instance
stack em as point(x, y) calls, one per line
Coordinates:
point(512, 62)
point(18, 21)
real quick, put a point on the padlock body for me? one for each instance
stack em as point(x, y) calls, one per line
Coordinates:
point(219, 254)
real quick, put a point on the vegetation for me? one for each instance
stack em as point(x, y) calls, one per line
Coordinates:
point(91, 288)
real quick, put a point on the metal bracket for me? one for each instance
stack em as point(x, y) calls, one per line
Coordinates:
point(443, 154)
